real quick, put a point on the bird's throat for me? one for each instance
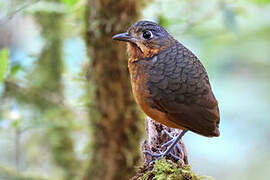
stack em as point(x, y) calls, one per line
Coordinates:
point(136, 52)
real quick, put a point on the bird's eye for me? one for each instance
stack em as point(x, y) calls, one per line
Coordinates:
point(147, 34)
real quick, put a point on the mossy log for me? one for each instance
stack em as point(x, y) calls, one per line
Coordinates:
point(167, 168)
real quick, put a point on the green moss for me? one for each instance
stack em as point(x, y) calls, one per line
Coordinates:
point(167, 170)
point(145, 175)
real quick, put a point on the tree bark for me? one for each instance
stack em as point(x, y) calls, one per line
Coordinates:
point(156, 137)
point(116, 131)
point(169, 167)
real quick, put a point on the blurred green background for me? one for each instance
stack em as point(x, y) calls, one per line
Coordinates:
point(42, 108)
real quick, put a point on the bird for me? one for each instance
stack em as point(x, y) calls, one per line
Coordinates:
point(169, 83)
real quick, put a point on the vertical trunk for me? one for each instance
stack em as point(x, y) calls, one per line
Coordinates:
point(116, 132)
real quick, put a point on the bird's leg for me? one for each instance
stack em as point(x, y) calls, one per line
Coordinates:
point(173, 142)
point(170, 141)
point(168, 134)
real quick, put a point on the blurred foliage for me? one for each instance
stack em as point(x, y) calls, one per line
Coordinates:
point(7, 173)
point(261, 2)
point(69, 2)
point(4, 58)
point(229, 18)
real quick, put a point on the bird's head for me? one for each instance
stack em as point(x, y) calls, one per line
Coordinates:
point(145, 39)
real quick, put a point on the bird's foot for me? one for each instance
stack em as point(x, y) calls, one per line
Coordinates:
point(161, 155)
point(170, 150)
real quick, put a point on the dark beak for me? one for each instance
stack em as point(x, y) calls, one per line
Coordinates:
point(122, 37)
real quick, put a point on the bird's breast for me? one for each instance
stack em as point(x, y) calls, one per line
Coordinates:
point(139, 76)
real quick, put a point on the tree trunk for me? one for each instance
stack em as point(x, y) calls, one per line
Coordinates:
point(116, 131)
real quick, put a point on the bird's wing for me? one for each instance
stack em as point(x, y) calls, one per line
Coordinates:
point(179, 86)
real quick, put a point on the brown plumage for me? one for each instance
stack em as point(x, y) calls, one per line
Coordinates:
point(168, 81)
